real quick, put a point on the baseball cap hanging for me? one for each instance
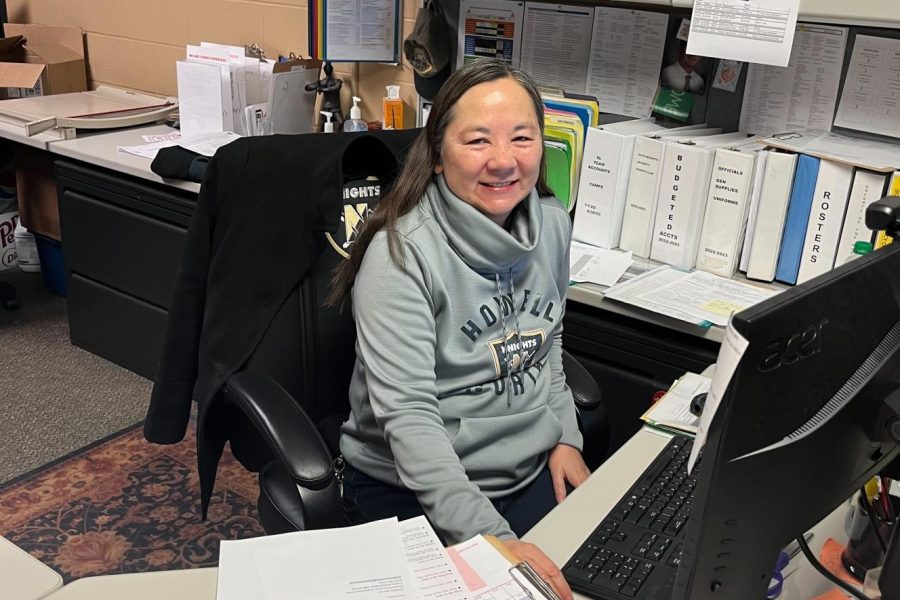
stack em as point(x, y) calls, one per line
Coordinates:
point(428, 50)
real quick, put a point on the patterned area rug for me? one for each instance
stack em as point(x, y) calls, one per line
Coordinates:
point(124, 505)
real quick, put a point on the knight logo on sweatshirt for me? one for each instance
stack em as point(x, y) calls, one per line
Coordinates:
point(360, 199)
point(531, 342)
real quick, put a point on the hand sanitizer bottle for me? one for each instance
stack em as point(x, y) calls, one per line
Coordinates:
point(355, 123)
point(327, 126)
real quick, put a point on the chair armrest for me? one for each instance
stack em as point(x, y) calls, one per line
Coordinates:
point(584, 388)
point(284, 425)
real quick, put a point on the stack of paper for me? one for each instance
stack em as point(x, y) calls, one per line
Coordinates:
point(672, 412)
point(221, 89)
point(382, 560)
point(700, 298)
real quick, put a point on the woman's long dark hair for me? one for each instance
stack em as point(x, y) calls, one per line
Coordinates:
point(418, 168)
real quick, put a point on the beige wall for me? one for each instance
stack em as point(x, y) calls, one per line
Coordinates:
point(135, 43)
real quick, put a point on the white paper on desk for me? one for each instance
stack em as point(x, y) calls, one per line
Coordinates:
point(365, 562)
point(674, 408)
point(597, 265)
point(730, 352)
point(707, 297)
point(485, 571)
point(639, 291)
point(801, 97)
point(207, 143)
point(434, 574)
point(201, 101)
point(230, 90)
point(175, 135)
point(148, 150)
point(758, 31)
point(869, 101)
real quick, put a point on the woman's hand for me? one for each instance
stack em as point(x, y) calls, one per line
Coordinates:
point(544, 567)
point(566, 465)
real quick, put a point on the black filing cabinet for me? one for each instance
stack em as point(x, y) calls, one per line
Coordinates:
point(630, 359)
point(122, 243)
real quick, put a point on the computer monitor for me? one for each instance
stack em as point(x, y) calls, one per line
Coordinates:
point(800, 427)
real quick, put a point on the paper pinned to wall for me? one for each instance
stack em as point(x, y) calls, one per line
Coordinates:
point(803, 96)
point(489, 29)
point(758, 31)
point(361, 30)
point(625, 55)
point(556, 44)
point(871, 97)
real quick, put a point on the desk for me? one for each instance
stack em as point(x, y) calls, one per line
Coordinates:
point(562, 531)
point(100, 149)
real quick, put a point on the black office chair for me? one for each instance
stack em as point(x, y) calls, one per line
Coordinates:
point(293, 393)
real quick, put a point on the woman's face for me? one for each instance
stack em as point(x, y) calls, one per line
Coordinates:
point(492, 148)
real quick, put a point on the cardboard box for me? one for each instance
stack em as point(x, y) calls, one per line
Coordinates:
point(39, 60)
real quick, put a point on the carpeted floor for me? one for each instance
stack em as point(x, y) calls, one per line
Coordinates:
point(123, 505)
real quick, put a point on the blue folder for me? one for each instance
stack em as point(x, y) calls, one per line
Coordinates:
point(583, 112)
point(797, 219)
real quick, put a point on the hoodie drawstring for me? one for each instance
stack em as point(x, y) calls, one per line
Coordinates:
point(509, 360)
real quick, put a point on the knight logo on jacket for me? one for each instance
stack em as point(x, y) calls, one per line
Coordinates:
point(360, 199)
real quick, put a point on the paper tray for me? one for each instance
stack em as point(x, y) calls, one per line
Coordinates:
point(104, 108)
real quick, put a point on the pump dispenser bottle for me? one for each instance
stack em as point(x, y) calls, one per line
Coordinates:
point(327, 126)
point(355, 123)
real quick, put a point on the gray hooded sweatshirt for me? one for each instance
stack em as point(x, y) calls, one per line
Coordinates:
point(458, 391)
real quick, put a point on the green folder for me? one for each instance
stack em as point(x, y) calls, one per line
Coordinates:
point(558, 160)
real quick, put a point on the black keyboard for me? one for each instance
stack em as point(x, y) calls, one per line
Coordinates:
point(635, 551)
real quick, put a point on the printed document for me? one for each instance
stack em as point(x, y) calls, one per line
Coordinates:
point(435, 576)
point(673, 410)
point(802, 96)
point(871, 97)
point(757, 31)
point(362, 30)
point(625, 54)
point(489, 29)
point(708, 297)
point(366, 562)
point(556, 44)
point(730, 352)
point(697, 297)
point(597, 265)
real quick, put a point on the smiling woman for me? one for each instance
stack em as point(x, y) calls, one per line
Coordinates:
point(459, 406)
point(492, 151)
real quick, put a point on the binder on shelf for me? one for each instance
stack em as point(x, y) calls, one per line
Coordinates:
point(797, 219)
point(603, 183)
point(643, 185)
point(727, 208)
point(759, 170)
point(681, 199)
point(775, 194)
point(826, 217)
point(867, 187)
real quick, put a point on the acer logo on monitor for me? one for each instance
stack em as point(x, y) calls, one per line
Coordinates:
point(790, 349)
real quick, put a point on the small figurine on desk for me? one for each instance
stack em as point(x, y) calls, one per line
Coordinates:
point(330, 88)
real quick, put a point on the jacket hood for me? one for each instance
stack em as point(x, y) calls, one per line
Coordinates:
point(480, 242)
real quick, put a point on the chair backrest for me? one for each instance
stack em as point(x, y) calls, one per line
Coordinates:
point(309, 348)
